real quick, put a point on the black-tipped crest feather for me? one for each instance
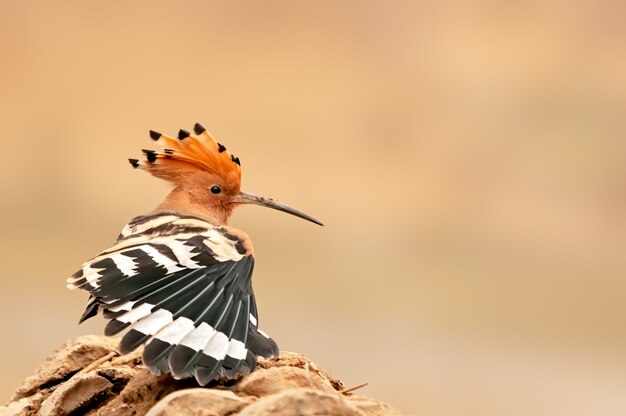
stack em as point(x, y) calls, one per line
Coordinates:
point(198, 129)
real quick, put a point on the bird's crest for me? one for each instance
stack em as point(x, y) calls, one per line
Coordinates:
point(187, 155)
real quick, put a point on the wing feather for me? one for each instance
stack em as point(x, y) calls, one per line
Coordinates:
point(183, 287)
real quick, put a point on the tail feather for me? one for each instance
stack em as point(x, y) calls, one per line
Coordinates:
point(177, 289)
point(180, 360)
point(233, 361)
point(91, 310)
point(207, 369)
point(159, 317)
point(259, 341)
point(193, 333)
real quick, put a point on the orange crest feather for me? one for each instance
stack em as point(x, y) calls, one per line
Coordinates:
point(188, 155)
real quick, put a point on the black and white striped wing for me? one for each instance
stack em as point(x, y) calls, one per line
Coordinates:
point(183, 287)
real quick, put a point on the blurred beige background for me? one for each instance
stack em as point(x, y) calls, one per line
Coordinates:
point(468, 159)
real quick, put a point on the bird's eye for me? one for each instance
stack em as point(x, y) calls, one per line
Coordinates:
point(216, 189)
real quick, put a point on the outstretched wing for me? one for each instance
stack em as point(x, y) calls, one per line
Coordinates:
point(183, 287)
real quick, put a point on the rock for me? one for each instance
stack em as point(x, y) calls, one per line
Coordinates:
point(264, 382)
point(68, 359)
point(292, 359)
point(26, 406)
point(119, 376)
point(142, 392)
point(301, 402)
point(198, 402)
point(371, 407)
point(77, 394)
point(290, 384)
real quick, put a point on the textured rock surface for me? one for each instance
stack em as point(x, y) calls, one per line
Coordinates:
point(121, 386)
point(67, 360)
point(200, 402)
point(276, 379)
point(76, 394)
point(301, 402)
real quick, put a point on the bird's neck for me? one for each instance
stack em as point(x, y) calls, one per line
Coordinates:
point(186, 202)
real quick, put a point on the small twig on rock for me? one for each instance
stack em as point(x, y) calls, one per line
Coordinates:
point(351, 389)
point(98, 362)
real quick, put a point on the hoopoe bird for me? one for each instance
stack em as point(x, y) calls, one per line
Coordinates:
point(179, 278)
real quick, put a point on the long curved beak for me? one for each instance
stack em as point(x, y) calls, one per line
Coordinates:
point(248, 198)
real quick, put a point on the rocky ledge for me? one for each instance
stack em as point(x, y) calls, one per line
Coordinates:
point(85, 376)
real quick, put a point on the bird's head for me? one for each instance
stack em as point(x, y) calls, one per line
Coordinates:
point(206, 177)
